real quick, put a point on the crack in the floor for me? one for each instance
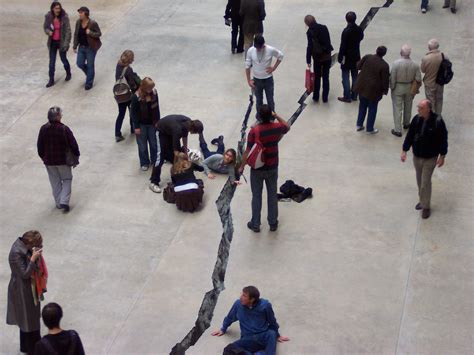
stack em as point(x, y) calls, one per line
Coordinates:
point(206, 311)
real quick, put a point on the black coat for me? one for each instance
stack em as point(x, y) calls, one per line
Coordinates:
point(349, 51)
point(319, 33)
point(232, 10)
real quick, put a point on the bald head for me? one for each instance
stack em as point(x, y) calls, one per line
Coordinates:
point(433, 44)
point(424, 108)
point(405, 51)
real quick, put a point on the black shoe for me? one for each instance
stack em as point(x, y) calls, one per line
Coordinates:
point(445, 6)
point(343, 99)
point(240, 50)
point(425, 213)
point(395, 133)
point(68, 77)
point(119, 138)
point(453, 11)
point(50, 83)
point(325, 99)
point(273, 227)
point(315, 99)
point(418, 206)
point(233, 50)
point(217, 140)
point(253, 228)
point(88, 87)
point(406, 126)
point(65, 208)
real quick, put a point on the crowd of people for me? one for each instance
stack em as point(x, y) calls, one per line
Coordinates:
point(165, 139)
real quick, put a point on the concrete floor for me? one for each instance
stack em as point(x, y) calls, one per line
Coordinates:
point(353, 270)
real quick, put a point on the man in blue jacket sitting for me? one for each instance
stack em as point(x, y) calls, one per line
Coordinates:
point(258, 326)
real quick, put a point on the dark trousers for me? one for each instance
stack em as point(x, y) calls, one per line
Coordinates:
point(424, 4)
point(266, 342)
point(28, 341)
point(207, 153)
point(147, 137)
point(268, 86)
point(165, 152)
point(53, 51)
point(86, 62)
point(237, 32)
point(121, 115)
point(348, 74)
point(257, 178)
point(371, 106)
point(321, 70)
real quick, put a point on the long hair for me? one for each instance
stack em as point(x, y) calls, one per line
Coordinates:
point(126, 58)
point(53, 5)
point(146, 85)
point(32, 238)
point(234, 155)
point(181, 163)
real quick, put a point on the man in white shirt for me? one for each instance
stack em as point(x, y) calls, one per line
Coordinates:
point(259, 58)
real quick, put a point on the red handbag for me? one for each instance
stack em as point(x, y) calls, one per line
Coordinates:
point(309, 81)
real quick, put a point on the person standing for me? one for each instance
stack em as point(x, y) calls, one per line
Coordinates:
point(430, 64)
point(259, 330)
point(404, 73)
point(259, 59)
point(319, 48)
point(123, 69)
point(145, 113)
point(253, 14)
point(23, 307)
point(171, 130)
point(372, 83)
point(349, 55)
point(428, 137)
point(232, 13)
point(58, 29)
point(268, 133)
point(54, 140)
point(86, 44)
point(58, 340)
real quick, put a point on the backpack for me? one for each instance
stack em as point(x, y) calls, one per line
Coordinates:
point(445, 71)
point(121, 90)
point(255, 157)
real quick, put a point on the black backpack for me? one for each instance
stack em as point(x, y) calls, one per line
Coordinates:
point(445, 71)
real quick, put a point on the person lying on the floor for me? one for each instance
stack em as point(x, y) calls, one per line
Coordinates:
point(221, 161)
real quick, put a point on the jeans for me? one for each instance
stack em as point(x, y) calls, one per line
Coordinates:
point(53, 50)
point(85, 61)
point(424, 171)
point(321, 69)
point(237, 31)
point(147, 137)
point(346, 85)
point(207, 153)
point(365, 104)
point(424, 4)
point(60, 178)
point(165, 152)
point(270, 177)
point(266, 85)
point(266, 342)
point(121, 115)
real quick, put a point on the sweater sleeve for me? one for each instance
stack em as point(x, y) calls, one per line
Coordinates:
point(230, 318)
point(209, 161)
point(410, 135)
point(273, 325)
point(72, 142)
point(393, 76)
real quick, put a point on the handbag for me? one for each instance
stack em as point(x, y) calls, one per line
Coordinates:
point(415, 87)
point(309, 81)
point(71, 158)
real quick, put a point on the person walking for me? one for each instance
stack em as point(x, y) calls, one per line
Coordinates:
point(319, 48)
point(58, 341)
point(232, 14)
point(55, 142)
point(124, 70)
point(405, 73)
point(145, 113)
point(259, 330)
point(259, 60)
point(171, 130)
point(349, 55)
point(86, 44)
point(58, 29)
point(253, 14)
point(23, 307)
point(428, 137)
point(447, 4)
point(430, 64)
point(268, 134)
point(372, 83)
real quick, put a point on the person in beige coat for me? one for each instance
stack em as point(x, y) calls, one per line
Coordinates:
point(430, 64)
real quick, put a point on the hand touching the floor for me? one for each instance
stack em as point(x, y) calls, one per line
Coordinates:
point(282, 339)
point(217, 333)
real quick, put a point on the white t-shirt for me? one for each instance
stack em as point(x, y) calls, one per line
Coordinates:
point(259, 61)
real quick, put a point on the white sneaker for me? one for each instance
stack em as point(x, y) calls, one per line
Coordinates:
point(144, 167)
point(375, 131)
point(155, 188)
point(423, 11)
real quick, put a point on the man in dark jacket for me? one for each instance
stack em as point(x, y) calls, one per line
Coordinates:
point(171, 130)
point(429, 138)
point(232, 13)
point(258, 325)
point(253, 14)
point(372, 83)
point(349, 55)
point(319, 48)
point(53, 140)
point(58, 341)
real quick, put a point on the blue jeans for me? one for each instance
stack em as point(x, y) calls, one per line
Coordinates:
point(268, 86)
point(207, 153)
point(424, 4)
point(257, 178)
point(266, 341)
point(147, 137)
point(85, 61)
point(346, 85)
point(371, 106)
point(53, 51)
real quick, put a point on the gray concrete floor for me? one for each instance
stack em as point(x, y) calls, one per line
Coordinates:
point(353, 270)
